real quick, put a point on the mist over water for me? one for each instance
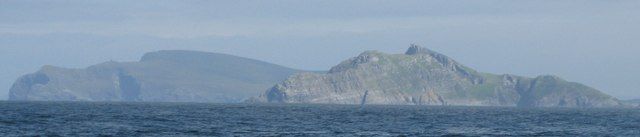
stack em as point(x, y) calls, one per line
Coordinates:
point(193, 119)
point(591, 42)
point(568, 56)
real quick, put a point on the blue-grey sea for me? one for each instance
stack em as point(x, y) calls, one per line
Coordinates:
point(200, 119)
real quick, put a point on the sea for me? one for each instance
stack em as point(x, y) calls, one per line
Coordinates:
point(203, 119)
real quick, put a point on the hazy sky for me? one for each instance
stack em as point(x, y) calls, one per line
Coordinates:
point(593, 42)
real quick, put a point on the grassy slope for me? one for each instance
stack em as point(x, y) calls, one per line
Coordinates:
point(544, 85)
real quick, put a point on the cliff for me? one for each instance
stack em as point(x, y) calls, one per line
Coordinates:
point(424, 77)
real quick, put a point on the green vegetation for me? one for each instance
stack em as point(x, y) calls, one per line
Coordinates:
point(483, 91)
point(421, 73)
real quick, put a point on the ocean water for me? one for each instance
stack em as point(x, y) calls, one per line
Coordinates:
point(194, 119)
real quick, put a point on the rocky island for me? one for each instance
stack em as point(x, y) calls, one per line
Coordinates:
point(424, 77)
point(163, 76)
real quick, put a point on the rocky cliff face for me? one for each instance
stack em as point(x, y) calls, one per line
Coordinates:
point(164, 76)
point(423, 77)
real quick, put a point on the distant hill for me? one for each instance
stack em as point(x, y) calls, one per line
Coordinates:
point(163, 76)
point(424, 77)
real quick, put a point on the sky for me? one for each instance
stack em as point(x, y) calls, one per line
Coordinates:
point(593, 42)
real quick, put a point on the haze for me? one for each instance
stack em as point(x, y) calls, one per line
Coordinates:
point(591, 42)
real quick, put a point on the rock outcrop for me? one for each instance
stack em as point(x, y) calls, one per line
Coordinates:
point(424, 77)
point(164, 76)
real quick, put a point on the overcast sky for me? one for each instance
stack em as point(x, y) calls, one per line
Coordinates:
point(592, 42)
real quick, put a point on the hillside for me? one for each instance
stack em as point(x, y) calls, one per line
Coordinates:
point(424, 77)
point(163, 76)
